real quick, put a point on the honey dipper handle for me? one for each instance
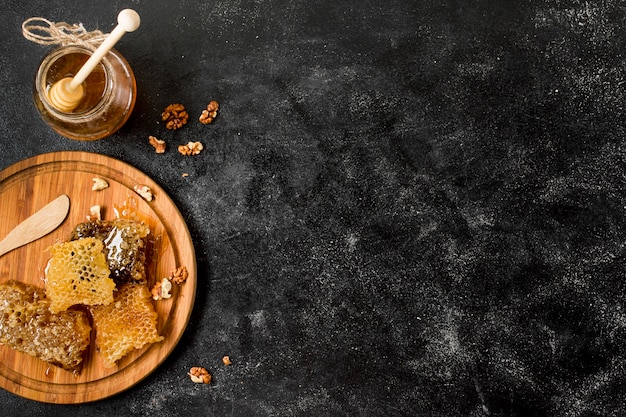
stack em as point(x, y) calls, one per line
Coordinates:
point(127, 21)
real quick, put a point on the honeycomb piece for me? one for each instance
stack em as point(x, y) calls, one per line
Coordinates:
point(125, 243)
point(126, 324)
point(78, 274)
point(28, 325)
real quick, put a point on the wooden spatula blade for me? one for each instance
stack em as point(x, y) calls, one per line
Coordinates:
point(37, 225)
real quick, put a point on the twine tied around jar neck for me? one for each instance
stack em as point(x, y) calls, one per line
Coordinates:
point(45, 32)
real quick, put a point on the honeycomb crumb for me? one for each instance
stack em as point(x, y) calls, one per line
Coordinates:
point(144, 191)
point(129, 323)
point(99, 184)
point(78, 274)
point(226, 360)
point(199, 375)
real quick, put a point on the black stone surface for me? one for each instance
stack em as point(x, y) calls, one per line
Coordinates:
point(404, 208)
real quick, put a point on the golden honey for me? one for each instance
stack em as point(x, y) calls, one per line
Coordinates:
point(125, 246)
point(110, 93)
point(28, 325)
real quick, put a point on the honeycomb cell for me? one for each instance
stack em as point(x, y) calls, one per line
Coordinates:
point(125, 245)
point(129, 323)
point(78, 274)
point(28, 325)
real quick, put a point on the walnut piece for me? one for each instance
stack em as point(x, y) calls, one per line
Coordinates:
point(179, 275)
point(144, 191)
point(157, 144)
point(156, 291)
point(95, 213)
point(226, 360)
point(99, 184)
point(175, 116)
point(209, 113)
point(162, 289)
point(191, 148)
point(199, 375)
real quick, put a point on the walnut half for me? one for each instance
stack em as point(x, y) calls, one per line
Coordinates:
point(210, 113)
point(162, 289)
point(199, 375)
point(144, 191)
point(179, 275)
point(191, 148)
point(175, 116)
point(99, 184)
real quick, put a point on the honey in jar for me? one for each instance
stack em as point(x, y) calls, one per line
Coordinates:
point(110, 92)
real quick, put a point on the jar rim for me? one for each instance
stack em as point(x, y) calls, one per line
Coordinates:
point(42, 87)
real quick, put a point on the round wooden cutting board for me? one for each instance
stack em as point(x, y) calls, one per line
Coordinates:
point(29, 185)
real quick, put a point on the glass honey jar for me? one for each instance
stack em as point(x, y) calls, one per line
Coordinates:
point(110, 92)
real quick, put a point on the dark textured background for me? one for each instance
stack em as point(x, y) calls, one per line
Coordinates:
point(404, 208)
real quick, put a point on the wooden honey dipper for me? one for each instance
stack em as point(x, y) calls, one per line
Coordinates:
point(67, 93)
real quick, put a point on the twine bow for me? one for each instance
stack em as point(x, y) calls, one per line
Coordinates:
point(45, 32)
